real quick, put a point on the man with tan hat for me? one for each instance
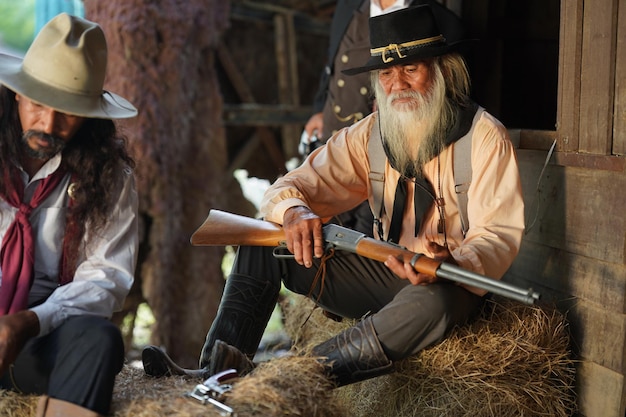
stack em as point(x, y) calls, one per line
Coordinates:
point(68, 221)
point(424, 109)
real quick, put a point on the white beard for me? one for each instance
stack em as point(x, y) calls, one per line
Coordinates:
point(414, 132)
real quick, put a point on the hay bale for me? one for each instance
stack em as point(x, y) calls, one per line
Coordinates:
point(288, 386)
point(16, 405)
point(283, 387)
point(514, 360)
point(305, 323)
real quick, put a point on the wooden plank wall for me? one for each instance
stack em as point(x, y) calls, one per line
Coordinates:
point(575, 247)
point(597, 76)
point(573, 253)
point(568, 109)
point(619, 127)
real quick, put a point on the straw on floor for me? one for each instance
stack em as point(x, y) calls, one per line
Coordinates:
point(514, 360)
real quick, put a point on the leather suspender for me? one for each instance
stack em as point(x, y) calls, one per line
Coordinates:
point(377, 159)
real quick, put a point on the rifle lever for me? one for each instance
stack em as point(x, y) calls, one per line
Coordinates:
point(278, 249)
point(277, 252)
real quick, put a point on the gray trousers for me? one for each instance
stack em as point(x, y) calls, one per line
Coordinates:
point(407, 318)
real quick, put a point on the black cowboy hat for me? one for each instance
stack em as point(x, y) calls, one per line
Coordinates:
point(405, 36)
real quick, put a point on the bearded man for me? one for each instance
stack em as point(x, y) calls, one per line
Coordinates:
point(68, 221)
point(422, 90)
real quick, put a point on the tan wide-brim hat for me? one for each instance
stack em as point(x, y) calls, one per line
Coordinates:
point(64, 69)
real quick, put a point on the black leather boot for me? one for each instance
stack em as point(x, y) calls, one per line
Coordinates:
point(157, 363)
point(354, 355)
point(351, 356)
point(243, 313)
point(242, 316)
point(225, 356)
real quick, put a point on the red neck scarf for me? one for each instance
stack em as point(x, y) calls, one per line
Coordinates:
point(17, 256)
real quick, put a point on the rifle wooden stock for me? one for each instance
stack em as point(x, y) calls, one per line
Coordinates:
point(221, 228)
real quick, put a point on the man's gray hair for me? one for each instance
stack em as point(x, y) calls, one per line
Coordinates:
point(456, 76)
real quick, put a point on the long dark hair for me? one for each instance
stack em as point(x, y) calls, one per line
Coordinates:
point(96, 158)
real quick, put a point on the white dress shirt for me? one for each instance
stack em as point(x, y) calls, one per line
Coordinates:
point(377, 10)
point(106, 264)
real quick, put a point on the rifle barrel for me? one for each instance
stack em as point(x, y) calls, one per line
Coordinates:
point(464, 276)
point(353, 241)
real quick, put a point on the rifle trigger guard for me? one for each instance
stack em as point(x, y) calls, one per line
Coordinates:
point(276, 252)
point(278, 255)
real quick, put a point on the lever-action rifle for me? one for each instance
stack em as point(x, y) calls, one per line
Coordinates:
point(222, 228)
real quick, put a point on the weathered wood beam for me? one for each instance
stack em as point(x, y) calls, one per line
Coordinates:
point(264, 12)
point(591, 161)
point(597, 77)
point(252, 114)
point(570, 57)
point(234, 75)
point(542, 140)
point(533, 139)
point(264, 135)
point(575, 209)
point(619, 127)
point(288, 89)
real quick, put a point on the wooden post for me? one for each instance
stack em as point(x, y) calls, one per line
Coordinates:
point(619, 117)
point(263, 134)
point(597, 77)
point(286, 61)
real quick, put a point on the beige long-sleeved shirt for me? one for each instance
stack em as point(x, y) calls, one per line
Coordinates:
point(335, 179)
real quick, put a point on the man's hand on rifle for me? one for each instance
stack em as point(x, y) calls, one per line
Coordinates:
point(405, 271)
point(303, 234)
